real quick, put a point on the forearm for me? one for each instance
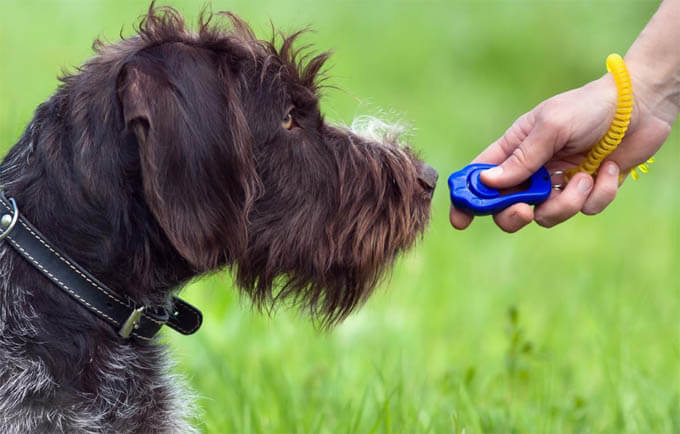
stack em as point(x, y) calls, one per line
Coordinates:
point(654, 59)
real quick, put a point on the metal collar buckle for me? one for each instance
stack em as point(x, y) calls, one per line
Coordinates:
point(7, 221)
point(131, 323)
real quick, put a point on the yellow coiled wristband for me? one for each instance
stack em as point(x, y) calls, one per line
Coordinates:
point(617, 130)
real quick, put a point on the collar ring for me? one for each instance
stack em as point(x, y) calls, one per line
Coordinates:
point(9, 221)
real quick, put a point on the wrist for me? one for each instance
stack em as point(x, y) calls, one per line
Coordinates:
point(654, 61)
point(655, 86)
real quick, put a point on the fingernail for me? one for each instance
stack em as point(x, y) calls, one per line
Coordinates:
point(494, 172)
point(612, 169)
point(584, 185)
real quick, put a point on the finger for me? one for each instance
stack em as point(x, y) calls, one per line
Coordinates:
point(514, 218)
point(524, 160)
point(459, 219)
point(562, 205)
point(604, 191)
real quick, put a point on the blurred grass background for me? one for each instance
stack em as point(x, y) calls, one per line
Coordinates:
point(570, 330)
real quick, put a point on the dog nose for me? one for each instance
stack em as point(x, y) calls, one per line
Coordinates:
point(427, 177)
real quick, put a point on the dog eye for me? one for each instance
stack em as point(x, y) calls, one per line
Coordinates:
point(288, 121)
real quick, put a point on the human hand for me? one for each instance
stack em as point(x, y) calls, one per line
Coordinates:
point(558, 133)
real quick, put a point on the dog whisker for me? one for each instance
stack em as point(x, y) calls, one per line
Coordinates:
point(374, 129)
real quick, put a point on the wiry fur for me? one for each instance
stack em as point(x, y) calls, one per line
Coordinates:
point(163, 158)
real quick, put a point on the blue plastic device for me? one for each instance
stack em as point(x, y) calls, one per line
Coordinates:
point(469, 193)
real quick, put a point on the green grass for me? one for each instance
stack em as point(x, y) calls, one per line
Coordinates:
point(570, 330)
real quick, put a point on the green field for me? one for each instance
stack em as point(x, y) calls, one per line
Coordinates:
point(575, 329)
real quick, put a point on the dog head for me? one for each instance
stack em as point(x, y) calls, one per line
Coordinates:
point(218, 137)
point(240, 167)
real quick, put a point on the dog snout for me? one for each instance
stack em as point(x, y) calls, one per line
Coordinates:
point(427, 177)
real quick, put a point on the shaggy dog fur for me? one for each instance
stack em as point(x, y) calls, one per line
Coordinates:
point(169, 155)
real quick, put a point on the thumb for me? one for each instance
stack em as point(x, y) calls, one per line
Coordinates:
point(525, 159)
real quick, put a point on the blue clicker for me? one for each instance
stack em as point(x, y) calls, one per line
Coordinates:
point(470, 194)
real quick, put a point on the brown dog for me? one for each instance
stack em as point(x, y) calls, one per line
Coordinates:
point(172, 154)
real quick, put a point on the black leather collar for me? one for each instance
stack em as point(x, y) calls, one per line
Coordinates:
point(121, 312)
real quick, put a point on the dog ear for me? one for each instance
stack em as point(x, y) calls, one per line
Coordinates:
point(195, 156)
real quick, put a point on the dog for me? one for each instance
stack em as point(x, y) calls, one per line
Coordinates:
point(168, 155)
